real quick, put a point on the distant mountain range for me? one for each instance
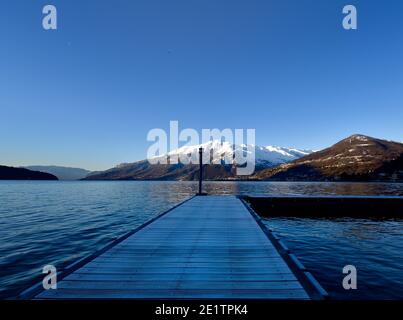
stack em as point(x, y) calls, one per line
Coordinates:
point(265, 157)
point(11, 173)
point(356, 158)
point(62, 173)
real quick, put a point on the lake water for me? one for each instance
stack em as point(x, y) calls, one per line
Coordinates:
point(54, 222)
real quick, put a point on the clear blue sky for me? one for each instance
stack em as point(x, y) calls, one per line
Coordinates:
point(87, 94)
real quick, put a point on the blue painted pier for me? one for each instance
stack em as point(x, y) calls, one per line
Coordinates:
point(209, 247)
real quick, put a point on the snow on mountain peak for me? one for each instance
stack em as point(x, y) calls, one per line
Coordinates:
point(264, 156)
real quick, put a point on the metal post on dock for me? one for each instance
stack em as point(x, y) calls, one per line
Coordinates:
point(200, 170)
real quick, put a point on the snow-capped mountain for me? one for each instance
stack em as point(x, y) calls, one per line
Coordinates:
point(272, 156)
point(265, 156)
point(356, 158)
point(219, 155)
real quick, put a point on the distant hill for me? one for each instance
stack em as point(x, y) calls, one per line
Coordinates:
point(62, 173)
point(11, 173)
point(356, 158)
point(143, 170)
point(266, 157)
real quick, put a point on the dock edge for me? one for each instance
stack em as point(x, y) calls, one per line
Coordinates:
point(37, 288)
point(308, 281)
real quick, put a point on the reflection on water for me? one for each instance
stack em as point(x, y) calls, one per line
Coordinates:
point(304, 188)
point(55, 222)
point(370, 230)
point(325, 246)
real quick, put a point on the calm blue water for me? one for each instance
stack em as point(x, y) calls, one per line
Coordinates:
point(325, 246)
point(59, 222)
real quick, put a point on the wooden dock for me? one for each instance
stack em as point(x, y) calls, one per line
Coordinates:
point(209, 247)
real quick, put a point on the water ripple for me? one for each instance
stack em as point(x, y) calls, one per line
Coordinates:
point(50, 222)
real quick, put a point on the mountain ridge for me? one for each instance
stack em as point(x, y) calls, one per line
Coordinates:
point(355, 158)
point(13, 173)
point(265, 157)
point(61, 172)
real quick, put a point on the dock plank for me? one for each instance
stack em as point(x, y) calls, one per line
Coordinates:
point(208, 247)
